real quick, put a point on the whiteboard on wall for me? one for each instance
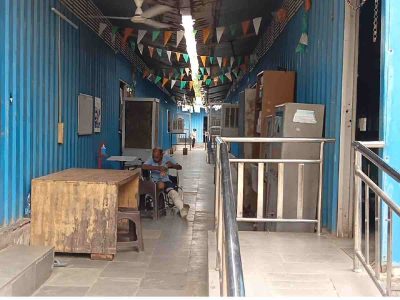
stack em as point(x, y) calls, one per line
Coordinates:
point(85, 114)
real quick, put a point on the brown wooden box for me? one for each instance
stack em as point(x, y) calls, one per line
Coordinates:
point(75, 210)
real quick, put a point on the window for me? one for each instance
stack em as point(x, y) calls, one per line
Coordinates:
point(231, 116)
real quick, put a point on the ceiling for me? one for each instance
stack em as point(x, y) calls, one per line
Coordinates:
point(207, 14)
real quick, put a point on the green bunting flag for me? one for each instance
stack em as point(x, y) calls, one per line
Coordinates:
point(182, 70)
point(133, 45)
point(155, 35)
point(232, 29)
point(222, 77)
point(159, 51)
point(186, 57)
point(212, 60)
point(235, 72)
point(157, 80)
point(202, 70)
point(208, 82)
point(183, 84)
point(303, 43)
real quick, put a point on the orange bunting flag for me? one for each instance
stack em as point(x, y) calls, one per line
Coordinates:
point(127, 33)
point(182, 75)
point(145, 73)
point(203, 60)
point(164, 82)
point(178, 56)
point(151, 50)
point(205, 77)
point(206, 34)
point(226, 61)
point(167, 36)
point(307, 5)
point(245, 26)
point(190, 85)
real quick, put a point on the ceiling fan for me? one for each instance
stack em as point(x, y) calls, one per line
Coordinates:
point(143, 17)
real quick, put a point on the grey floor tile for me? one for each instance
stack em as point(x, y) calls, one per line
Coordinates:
point(114, 287)
point(74, 277)
point(176, 264)
point(85, 262)
point(61, 291)
point(125, 270)
point(164, 280)
point(162, 293)
point(132, 256)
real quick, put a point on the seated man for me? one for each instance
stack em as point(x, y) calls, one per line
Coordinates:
point(159, 165)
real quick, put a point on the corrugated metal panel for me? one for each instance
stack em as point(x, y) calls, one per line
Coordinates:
point(319, 74)
point(28, 59)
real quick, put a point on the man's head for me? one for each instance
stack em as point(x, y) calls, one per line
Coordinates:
point(157, 154)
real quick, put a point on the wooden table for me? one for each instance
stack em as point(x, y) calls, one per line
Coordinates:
point(75, 210)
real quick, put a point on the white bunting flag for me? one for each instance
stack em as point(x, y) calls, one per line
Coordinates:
point(229, 76)
point(173, 83)
point(219, 61)
point(140, 47)
point(220, 31)
point(187, 70)
point(179, 36)
point(169, 55)
point(257, 23)
point(208, 70)
point(141, 35)
point(232, 60)
point(102, 27)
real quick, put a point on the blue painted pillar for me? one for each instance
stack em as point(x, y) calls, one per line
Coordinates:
point(390, 111)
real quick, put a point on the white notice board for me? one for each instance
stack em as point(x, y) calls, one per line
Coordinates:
point(85, 114)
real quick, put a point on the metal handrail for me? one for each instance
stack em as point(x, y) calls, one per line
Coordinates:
point(235, 283)
point(361, 150)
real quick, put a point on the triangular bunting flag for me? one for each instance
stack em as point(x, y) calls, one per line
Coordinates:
point(186, 57)
point(226, 61)
point(239, 61)
point(178, 56)
point(220, 31)
point(222, 77)
point(102, 27)
point(169, 55)
point(157, 80)
point(202, 70)
point(183, 84)
point(173, 83)
point(206, 34)
point(232, 60)
point(245, 26)
point(127, 33)
point(219, 61)
point(205, 77)
point(212, 60)
point(159, 51)
point(179, 36)
point(133, 45)
point(182, 76)
point(257, 23)
point(195, 32)
point(208, 82)
point(164, 82)
point(167, 36)
point(187, 70)
point(190, 85)
point(229, 76)
point(232, 29)
point(151, 50)
point(140, 47)
point(208, 71)
point(155, 35)
point(203, 60)
point(182, 70)
point(141, 34)
point(235, 72)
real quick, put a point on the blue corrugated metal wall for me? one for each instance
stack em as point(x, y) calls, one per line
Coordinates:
point(28, 74)
point(198, 123)
point(319, 75)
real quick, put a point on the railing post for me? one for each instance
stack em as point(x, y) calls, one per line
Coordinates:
point(357, 212)
point(240, 185)
point(260, 191)
point(389, 253)
point(377, 236)
point(320, 184)
point(300, 191)
point(217, 184)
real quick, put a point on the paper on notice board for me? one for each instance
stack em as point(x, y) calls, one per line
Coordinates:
point(304, 116)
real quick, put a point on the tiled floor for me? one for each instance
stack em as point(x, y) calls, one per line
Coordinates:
point(300, 264)
point(174, 262)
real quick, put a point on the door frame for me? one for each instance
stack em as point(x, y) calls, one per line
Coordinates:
point(348, 122)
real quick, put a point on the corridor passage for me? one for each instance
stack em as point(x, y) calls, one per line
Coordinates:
point(174, 262)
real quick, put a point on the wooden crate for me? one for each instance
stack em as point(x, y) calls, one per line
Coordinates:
point(75, 210)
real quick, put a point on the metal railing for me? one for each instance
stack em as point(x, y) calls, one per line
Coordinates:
point(229, 262)
point(362, 151)
point(229, 207)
